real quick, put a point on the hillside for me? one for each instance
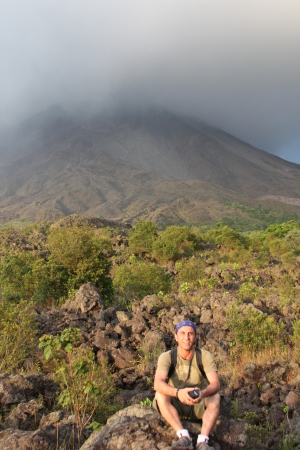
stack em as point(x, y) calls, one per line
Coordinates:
point(127, 166)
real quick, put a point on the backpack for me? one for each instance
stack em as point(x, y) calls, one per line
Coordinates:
point(174, 362)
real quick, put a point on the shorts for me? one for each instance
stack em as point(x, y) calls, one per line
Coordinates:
point(193, 413)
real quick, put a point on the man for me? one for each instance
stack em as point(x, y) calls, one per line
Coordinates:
point(172, 398)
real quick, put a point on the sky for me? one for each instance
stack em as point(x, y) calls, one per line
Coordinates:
point(235, 64)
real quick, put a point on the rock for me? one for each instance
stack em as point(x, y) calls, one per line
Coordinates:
point(123, 357)
point(271, 396)
point(15, 389)
point(87, 298)
point(133, 428)
point(138, 324)
point(137, 428)
point(49, 437)
point(123, 316)
point(206, 316)
point(154, 342)
point(26, 416)
point(295, 429)
point(103, 342)
point(292, 400)
point(231, 433)
point(149, 303)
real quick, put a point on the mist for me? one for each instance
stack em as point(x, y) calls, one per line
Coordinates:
point(233, 64)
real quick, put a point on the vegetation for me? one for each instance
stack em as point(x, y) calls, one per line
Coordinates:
point(43, 265)
point(141, 278)
point(17, 334)
point(86, 388)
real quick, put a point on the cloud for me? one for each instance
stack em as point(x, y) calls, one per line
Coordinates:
point(234, 64)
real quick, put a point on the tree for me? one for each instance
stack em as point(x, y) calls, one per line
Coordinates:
point(142, 238)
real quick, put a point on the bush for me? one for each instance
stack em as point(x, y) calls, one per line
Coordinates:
point(253, 330)
point(17, 334)
point(142, 238)
point(190, 271)
point(87, 388)
point(226, 236)
point(16, 277)
point(79, 251)
point(174, 243)
point(296, 339)
point(141, 278)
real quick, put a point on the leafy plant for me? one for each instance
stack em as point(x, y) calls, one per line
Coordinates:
point(253, 330)
point(17, 334)
point(142, 237)
point(141, 279)
point(146, 402)
point(87, 389)
point(174, 243)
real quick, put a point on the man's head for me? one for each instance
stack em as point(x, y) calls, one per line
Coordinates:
point(185, 334)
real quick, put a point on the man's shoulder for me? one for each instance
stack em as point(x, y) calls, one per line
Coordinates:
point(164, 361)
point(208, 361)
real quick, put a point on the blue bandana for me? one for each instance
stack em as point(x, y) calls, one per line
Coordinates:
point(185, 323)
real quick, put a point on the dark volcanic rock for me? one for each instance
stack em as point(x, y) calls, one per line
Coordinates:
point(48, 437)
point(26, 416)
point(87, 298)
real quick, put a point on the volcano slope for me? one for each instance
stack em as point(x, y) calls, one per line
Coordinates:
point(129, 165)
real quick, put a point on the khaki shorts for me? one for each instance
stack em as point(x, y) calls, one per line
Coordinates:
point(186, 412)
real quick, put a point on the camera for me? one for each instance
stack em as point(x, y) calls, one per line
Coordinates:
point(194, 394)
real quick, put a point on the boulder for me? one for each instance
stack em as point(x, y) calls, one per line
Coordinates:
point(231, 433)
point(87, 298)
point(137, 428)
point(26, 416)
point(48, 437)
point(123, 357)
point(154, 341)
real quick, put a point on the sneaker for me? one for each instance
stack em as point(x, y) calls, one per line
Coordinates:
point(203, 446)
point(184, 443)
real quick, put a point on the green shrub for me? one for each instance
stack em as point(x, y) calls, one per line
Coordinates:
point(226, 236)
point(86, 388)
point(174, 243)
point(141, 279)
point(190, 270)
point(142, 237)
point(16, 277)
point(253, 330)
point(296, 338)
point(80, 252)
point(17, 334)
point(248, 291)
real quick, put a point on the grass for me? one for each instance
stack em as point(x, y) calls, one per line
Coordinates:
point(21, 223)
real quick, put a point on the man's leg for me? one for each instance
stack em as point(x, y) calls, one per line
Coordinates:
point(211, 413)
point(168, 411)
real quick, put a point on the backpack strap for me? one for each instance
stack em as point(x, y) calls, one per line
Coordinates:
point(174, 362)
point(199, 362)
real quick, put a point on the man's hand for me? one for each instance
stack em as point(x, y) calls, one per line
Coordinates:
point(183, 396)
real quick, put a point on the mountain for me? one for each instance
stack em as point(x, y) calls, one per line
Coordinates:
point(136, 164)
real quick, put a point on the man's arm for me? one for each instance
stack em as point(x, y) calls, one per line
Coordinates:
point(213, 387)
point(161, 386)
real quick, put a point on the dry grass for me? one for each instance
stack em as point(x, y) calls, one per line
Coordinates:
point(234, 366)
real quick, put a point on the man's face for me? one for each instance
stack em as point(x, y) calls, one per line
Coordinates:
point(186, 338)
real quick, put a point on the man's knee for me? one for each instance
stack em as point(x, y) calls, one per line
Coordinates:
point(213, 401)
point(162, 399)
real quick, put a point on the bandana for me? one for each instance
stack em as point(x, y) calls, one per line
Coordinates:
point(185, 323)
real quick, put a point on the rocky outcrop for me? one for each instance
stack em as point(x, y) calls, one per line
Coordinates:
point(87, 298)
point(61, 433)
point(265, 395)
point(140, 428)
